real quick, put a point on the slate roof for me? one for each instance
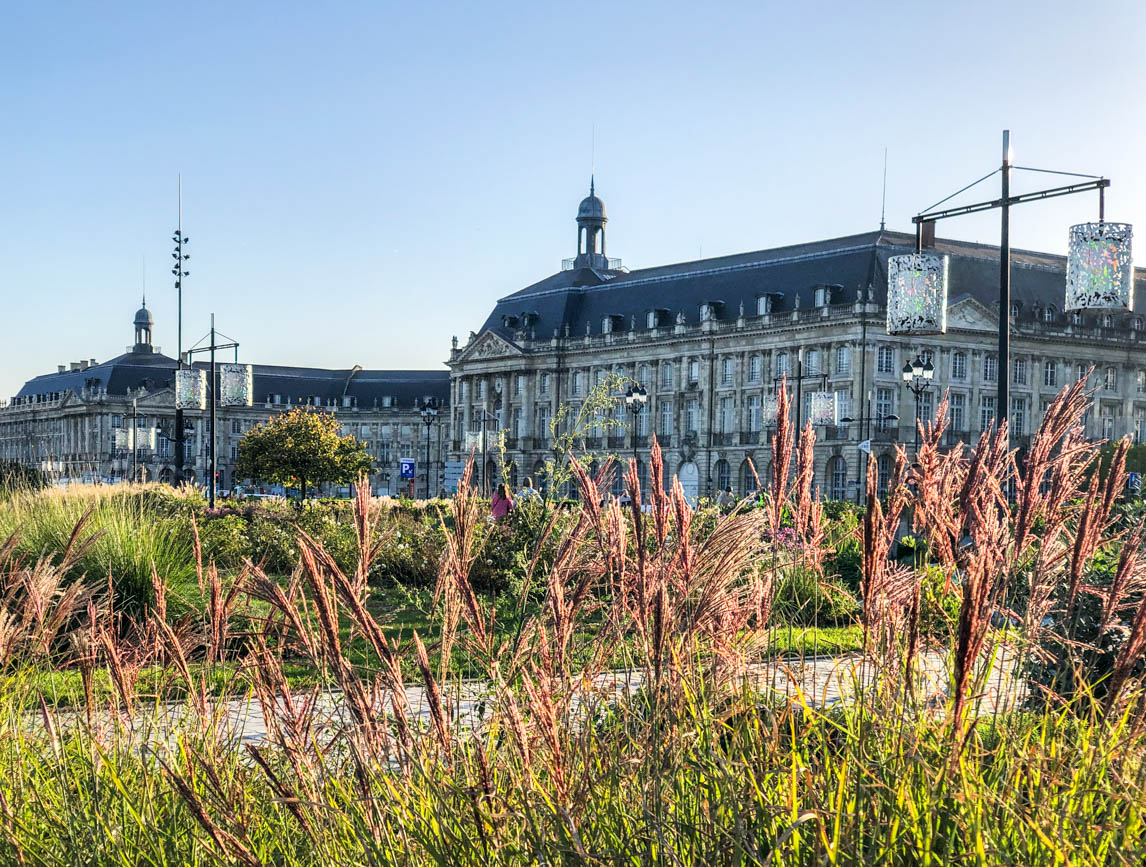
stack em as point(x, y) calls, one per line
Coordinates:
point(154, 371)
point(585, 296)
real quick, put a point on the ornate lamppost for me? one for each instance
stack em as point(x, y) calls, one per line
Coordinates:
point(429, 416)
point(635, 399)
point(917, 375)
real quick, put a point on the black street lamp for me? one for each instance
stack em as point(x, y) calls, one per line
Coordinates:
point(917, 375)
point(429, 416)
point(635, 399)
point(180, 240)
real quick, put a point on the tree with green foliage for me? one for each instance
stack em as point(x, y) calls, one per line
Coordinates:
point(300, 448)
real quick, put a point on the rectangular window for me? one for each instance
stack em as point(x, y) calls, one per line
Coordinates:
point(543, 424)
point(693, 371)
point(1050, 374)
point(1018, 416)
point(927, 406)
point(781, 364)
point(843, 359)
point(1110, 379)
point(578, 384)
point(726, 371)
point(754, 412)
point(884, 406)
point(666, 376)
point(692, 415)
point(515, 423)
point(1108, 427)
point(959, 365)
point(1019, 371)
point(885, 360)
point(990, 368)
point(754, 369)
point(1080, 372)
point(958, 411)
point(1141, 382)
point(986, 412)
point(843, 403)
point(543, 384)
point(518, 384)
point(726, 417)
point(1139, 424)
point(642, 424)
point(812, 362)
point(665, 423)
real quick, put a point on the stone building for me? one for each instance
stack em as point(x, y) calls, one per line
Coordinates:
point(709, 340)
point(65, 422)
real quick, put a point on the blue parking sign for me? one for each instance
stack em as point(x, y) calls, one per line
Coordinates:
point(407, 465)
point(1134, 482)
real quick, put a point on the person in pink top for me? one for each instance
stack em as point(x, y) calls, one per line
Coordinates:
point(501, 504)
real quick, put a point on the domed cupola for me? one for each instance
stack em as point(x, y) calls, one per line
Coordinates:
point(591, 222)
point(143, 323)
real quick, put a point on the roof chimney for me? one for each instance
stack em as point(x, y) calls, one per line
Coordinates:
point(60, 368)
point(74, 365)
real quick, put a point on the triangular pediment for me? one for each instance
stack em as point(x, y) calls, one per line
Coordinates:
point(489, 345)
point(967, 314)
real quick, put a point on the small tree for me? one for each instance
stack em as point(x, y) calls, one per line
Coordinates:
point(301, 447)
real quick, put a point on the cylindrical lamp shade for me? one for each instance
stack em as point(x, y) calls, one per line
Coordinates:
point(917, 294)
point(823, 408)
point(1099, 267)
point(769, 409)
point(236, 385)
point(123, 439)
point(190, 388)
point(145, 438)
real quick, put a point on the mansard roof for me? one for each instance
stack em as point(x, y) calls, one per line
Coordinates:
point(131, 371)
point(578, 300)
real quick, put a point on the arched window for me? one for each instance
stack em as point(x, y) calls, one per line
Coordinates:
point(642, 374)
point(747, 479)
point(1048, 313)
point(781, 363)
point(1136, 323)
point(726, 371)
point(723, 475)
point(837, 478)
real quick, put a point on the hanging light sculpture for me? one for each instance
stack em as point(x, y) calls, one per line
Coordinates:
point(236, 385)
point(190, 388)
point(123, 439)
point(769, 409)
point(1099, 267)
point(145, 438)
point(917, 294)
point(823, 408)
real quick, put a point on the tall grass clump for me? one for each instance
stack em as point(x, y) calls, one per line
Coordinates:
point(690, 752)
point(136, 530)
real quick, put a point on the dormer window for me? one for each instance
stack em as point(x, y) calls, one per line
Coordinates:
point(825, 294)
point(1107, 321)
point(1136, 323)
point(509, 321)
point(1048, 313)
point(1015, 310)
point(528, 319)
point(610, 323)
point(710, 310)
point(655, 318)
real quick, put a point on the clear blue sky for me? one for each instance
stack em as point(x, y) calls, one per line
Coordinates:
point(361, 181)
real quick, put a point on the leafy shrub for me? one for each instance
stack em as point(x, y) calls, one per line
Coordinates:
point(224, 540)
point(803, 600)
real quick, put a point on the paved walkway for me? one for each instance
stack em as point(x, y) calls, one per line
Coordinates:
point(823, 681)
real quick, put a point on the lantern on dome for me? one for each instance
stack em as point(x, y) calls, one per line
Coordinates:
point(917, 294)
point(236, 385)
point(190, 388)
point(1099, 267)
point(823, 408)
point(769, 409)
